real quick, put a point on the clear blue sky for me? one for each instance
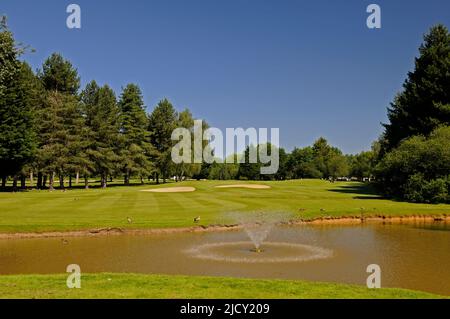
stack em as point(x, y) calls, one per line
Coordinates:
point(311, 68)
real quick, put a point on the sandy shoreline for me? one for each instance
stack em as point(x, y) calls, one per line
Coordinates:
point(221, 228)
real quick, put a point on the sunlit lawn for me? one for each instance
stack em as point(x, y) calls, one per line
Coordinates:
point(169, 287)
point(34, 210)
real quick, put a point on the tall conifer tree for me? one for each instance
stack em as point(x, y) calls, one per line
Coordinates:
point(135, 137)
point(162, 121)
point(424, 103)
point(17, 138)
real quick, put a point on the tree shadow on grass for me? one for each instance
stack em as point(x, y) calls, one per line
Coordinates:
point(360, 190)
point(80, 186)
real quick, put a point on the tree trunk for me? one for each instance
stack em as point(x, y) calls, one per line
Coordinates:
point(61, 181)
point(39, 181)
point(86, 182)
point(23, 181)
point(157, 178)
point(44, 181)
point(70, 181)
point(31, 179)
point(77, 178)
point(104, 177)
point(3, 182)
point(15, 183)
point(50, 182)
point(127, 178)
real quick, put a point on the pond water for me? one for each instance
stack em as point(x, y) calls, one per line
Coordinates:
point(414, 256)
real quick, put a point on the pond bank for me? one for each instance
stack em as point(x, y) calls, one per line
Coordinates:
point(348, 220)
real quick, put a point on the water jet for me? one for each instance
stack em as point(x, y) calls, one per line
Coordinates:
point(257, 226)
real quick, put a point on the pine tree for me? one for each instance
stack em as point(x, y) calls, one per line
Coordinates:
point(17, 138)
point(59, 75)
point(9, 64)
point(33, 97)
point(162, 122)
point(424, 103)
point(61, 129)
point(103, 121)
point(61, 122)
point(135, 137)
point(89, 101)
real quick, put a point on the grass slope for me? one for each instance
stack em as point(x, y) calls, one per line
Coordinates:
point(168, 287)
point(79, 209)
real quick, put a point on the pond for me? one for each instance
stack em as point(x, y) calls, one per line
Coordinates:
point(413, 256)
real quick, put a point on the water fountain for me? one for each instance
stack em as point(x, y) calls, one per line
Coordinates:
point(257, 227)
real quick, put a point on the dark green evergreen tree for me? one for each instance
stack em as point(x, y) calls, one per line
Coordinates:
point(61, 130)
point(17, 138)
point(162, 122)
point(102, 117)
point(61, 122)
point(59, 75)
point(89, 101)
point(424, 103)
point(33, 97)
point(136, 148)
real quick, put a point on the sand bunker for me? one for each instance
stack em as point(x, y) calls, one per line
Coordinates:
point(170, 190)
point(252, 186)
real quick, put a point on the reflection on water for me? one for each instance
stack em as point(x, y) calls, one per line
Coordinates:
point(433, 226)
point(410, 256)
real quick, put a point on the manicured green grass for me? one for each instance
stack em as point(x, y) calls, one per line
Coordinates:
point(79, 209)
point(170, 287)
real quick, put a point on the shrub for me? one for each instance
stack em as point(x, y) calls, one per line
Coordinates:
point(419, 190)
point(435, 191)
point(418, 169)
point(413, 190)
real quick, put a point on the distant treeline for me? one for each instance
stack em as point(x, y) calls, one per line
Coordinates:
point(50, 128)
